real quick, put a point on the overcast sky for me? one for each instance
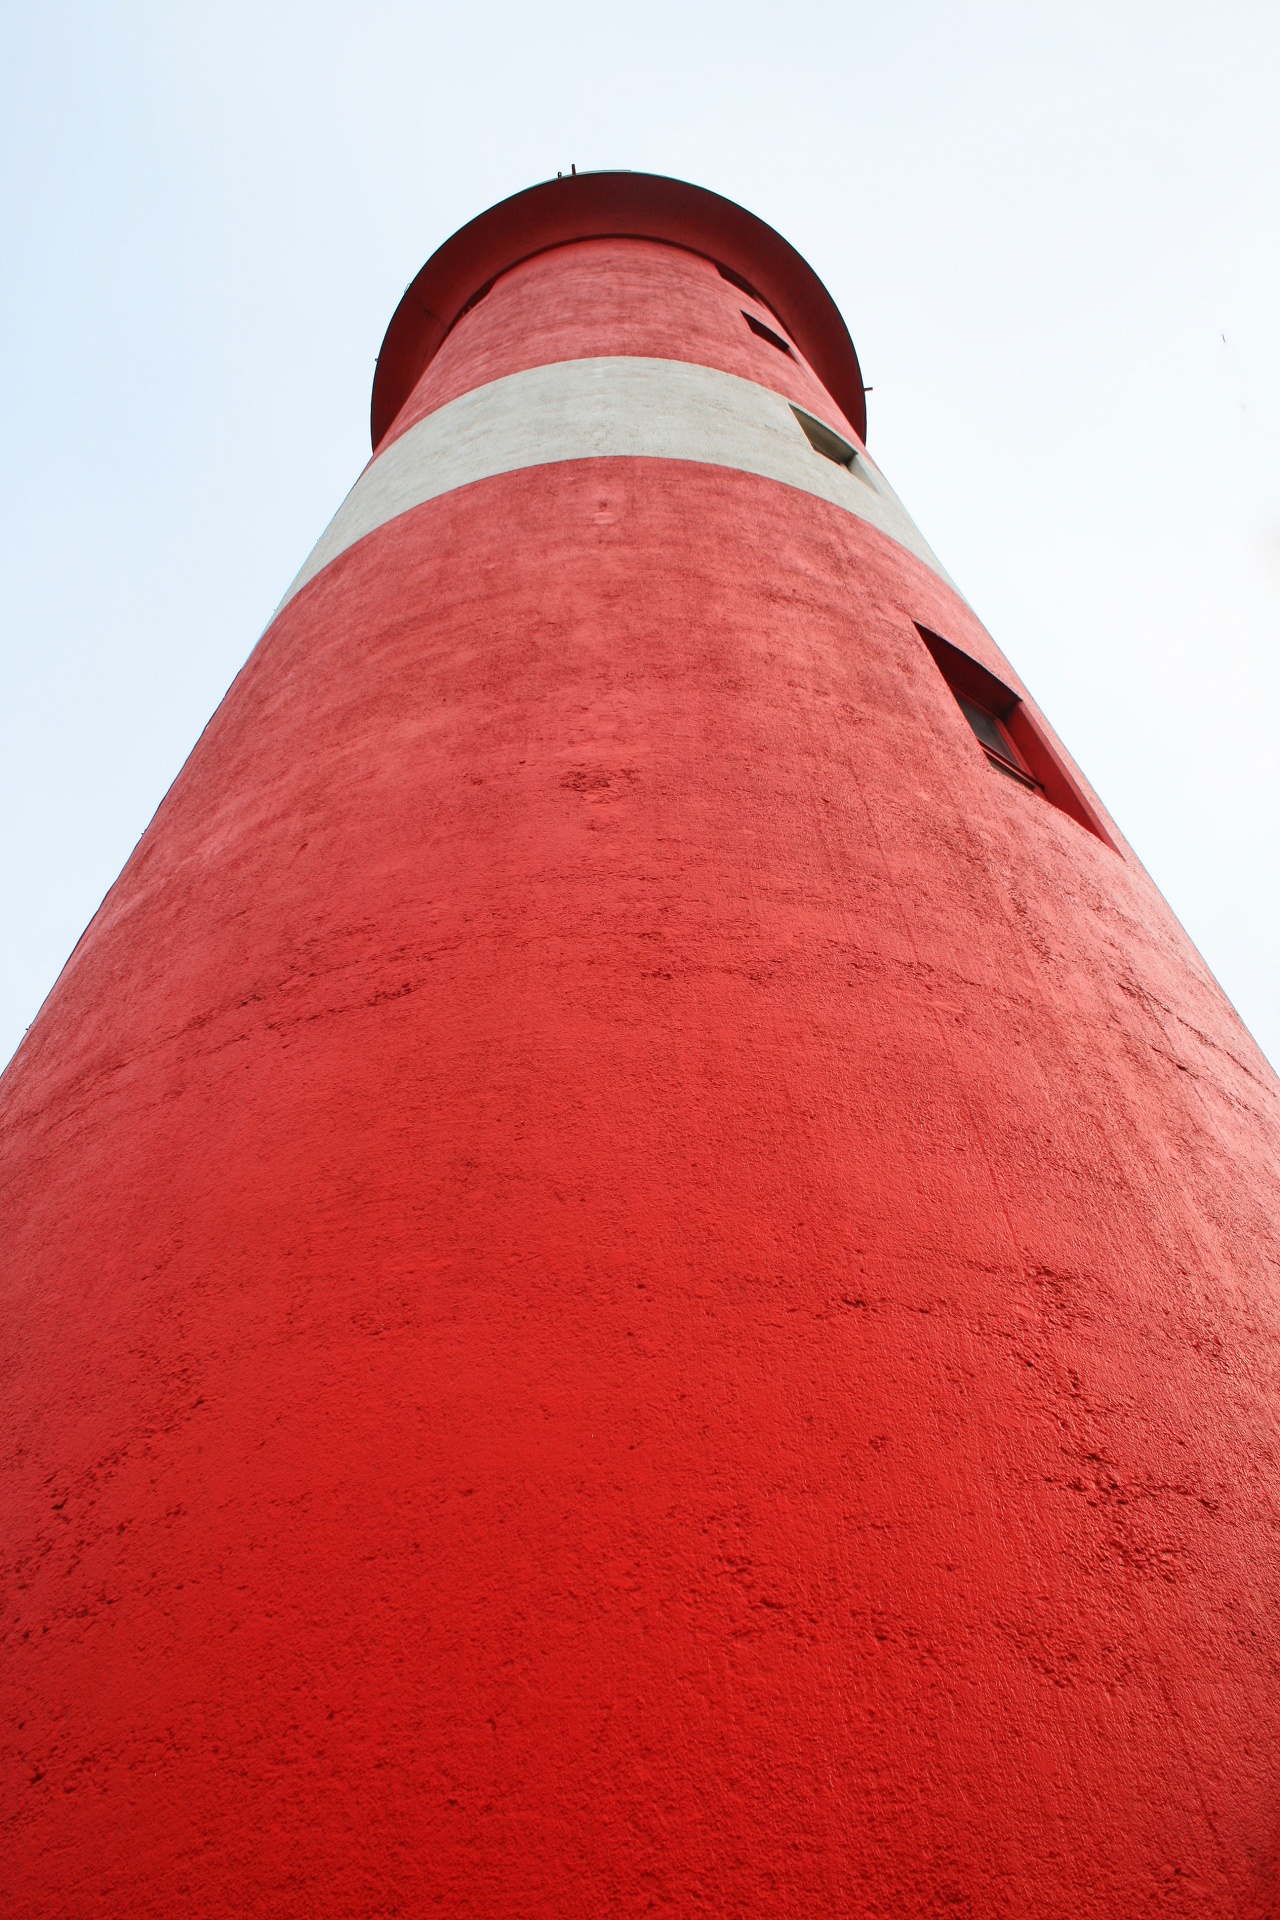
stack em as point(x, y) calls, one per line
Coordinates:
point(1054, 232)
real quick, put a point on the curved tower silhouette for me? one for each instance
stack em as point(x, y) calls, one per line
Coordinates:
point(639, 1265)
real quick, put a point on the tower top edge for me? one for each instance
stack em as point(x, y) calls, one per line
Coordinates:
point(613, 205)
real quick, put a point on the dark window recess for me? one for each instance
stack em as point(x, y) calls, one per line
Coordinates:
point(833, 446)
point(737, 280)
point(762, 332)
point(824, 439)
point(475, 299)
point(995, 741)
point(1007, 733)
point(743, 285)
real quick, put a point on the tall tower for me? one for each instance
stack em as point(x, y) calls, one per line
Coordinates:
point(640, 1267)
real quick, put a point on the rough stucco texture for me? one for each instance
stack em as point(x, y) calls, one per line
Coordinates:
point(633, 297)
point(631, 1284)
point(612, 406)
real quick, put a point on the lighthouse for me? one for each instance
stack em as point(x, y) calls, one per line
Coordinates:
point(641, 1270)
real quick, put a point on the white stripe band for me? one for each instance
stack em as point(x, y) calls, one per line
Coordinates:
point(583, 409)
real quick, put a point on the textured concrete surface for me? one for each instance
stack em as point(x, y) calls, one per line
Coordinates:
point(630, 1282)
point(628, 297)
point(650, 298)
point(605, 408)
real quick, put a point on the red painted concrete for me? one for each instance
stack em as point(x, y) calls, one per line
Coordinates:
point(607, 297)
point(630, 1282)
point(613, 205)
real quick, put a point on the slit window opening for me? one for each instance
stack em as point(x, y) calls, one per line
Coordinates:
point(824, 439)
point(481, 293)
point(737, 280)
point(762, 332)
point(995, 742)
point(833, 446)
point(1011, 737)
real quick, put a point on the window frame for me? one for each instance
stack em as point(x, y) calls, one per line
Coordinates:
point(1033, 761)
point(764, 332)
point(1003, 755)
point(832, 445)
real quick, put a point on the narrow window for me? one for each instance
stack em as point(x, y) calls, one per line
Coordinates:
point(480, 294)
point(1007, 734)
point(824, 439)
point(996, 743)
point(736, 280)
point(762, 332)
point(832, 446)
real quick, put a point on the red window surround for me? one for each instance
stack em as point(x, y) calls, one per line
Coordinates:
point(1008, 734)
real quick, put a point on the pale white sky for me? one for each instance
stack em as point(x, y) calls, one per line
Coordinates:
point(1054, 232)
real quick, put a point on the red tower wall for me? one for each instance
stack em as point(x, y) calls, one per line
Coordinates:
point(631, 1281)
point(602, 297)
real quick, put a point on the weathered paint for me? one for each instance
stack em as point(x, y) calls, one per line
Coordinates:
point(613, 297)
point(602, 409)
point(691, 223)
point(630, 1282)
